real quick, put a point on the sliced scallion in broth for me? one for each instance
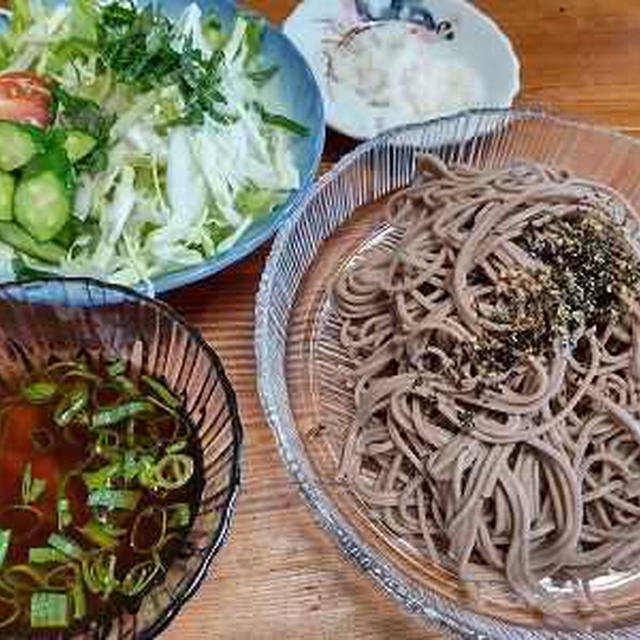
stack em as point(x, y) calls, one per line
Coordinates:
point(99, 488)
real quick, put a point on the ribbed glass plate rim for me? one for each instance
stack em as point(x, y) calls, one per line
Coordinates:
point(220, 535)
point(448, 616)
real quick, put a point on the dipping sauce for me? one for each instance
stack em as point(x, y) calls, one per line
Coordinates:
point(99, 487)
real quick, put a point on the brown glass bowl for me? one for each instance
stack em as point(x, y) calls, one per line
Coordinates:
point(46, 318)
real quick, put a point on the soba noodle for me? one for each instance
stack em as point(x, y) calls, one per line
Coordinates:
point(497, 380)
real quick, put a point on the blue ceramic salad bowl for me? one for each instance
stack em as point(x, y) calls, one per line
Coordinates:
point(189, 243)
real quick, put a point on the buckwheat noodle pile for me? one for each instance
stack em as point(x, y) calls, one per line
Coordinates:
point(497, 375)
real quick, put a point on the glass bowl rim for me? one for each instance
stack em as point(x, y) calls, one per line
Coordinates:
point(448, 616)
point(220, 534)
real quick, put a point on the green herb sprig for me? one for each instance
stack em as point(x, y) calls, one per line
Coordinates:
point(137, 47)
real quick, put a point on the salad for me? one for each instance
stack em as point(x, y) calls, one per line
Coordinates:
point(132, 145)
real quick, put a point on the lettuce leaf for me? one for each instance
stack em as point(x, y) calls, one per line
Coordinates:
point(83, 20)
point(21, 21)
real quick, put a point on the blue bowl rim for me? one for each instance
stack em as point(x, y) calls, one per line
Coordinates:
point(221, 533)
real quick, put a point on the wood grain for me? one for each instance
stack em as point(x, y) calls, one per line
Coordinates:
point(279, 576)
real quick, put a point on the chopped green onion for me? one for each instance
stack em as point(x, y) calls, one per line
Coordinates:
point(84, 375)
point(22, 577)
point(44, 555)
point(62, 577)
point(26, 483)
point(179, 515)
point(75, 401)
point(111, 529)
point(9, 611)
point(63, 506)
point(127, 467)
point(98, 571)
point(176, 447)
point(67, 546)
point(130, 465)
point(146, 470)
point(101, 478)
point(125, 385)
point(38, 487)
point(159, 403)
point(133, 464)
point(39, 392)
point(49, 610)
point(173, 471)
point(5, 541)
point(107, 443)
point(114, 498)
point(109, 416)
point(32, 488)
point(79, 601)
point(280, 121)
point(64, 513)
point(69, 369)
point(98, 534)
point(147, 473)
point(61, 364)
point(131, 433)
point(25, 511)
point(80, 365)
point(150, 522)
point(139, 577)
point(161, 391)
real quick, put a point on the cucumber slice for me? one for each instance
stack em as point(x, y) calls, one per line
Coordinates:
point(7, 189)
point(42, 206)
point(43, 198)
point(79, 144)
point(19, 239)
point(19, 143)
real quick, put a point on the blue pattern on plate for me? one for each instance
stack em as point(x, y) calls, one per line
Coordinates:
point(406, 10)
point(410, 10)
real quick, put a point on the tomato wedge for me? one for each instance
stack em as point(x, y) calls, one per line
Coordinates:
point(25, 97)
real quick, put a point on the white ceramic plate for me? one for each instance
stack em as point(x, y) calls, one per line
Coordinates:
point(320, 29)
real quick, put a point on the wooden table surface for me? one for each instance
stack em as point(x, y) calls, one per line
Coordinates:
point(279, 576)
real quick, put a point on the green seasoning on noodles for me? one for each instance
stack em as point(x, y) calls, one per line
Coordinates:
point(99, 486)
point(496, 352)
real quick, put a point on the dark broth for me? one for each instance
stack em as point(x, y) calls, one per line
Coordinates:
point(144, 537)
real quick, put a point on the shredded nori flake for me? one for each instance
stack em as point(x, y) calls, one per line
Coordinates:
point(586, 263)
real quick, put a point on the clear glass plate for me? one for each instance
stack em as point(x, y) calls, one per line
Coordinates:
point(300, 362)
